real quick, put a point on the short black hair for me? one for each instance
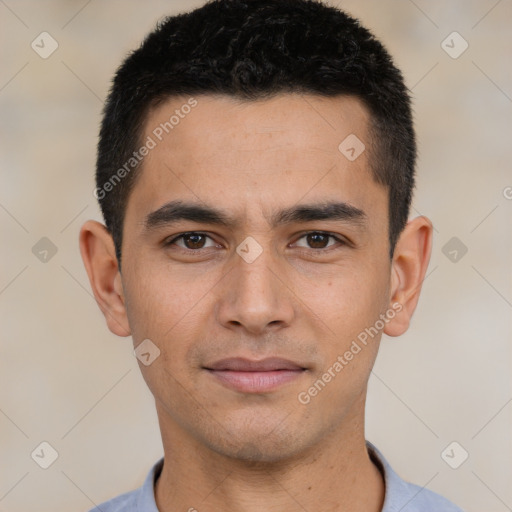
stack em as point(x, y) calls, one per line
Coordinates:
point(251, 50)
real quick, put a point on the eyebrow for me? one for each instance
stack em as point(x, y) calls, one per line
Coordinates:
point(175, 211)
point(324, 211)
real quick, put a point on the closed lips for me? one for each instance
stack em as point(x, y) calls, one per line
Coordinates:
point(246, 365)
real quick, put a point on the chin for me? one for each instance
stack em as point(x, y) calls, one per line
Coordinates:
point(255, 453)
point(259, 445)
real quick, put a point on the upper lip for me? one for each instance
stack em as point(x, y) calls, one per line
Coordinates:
point(247, 365)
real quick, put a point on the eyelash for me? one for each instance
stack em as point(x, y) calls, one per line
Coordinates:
point(183, 235)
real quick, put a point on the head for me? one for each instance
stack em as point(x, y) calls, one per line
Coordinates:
point(280, 133)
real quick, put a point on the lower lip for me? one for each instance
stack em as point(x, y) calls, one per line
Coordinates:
point(255, 382)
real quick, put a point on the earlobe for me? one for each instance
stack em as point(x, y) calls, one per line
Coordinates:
point(98, 255)
point(408, 269)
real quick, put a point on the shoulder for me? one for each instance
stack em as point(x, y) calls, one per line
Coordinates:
point(418, 499)
point(139, 500)
point(126, 502)
point(404, 496)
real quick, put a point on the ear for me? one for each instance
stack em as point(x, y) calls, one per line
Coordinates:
point(408, 269)
point(99, 257)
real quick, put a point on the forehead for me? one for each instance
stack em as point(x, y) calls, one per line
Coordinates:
point(222, 123)
point(252, 156)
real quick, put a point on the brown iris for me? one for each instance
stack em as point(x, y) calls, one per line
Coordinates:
point(317, 240)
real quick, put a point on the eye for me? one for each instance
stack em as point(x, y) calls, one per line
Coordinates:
point(318, 240)
point(191, 241)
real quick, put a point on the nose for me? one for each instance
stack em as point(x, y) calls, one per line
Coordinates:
point(255, 297)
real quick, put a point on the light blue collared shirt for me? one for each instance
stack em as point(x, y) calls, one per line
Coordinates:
point(400, 496)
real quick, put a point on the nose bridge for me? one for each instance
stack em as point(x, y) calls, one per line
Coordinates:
point(253, 296)
point(254, 272)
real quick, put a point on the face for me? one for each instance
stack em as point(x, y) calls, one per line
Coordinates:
point(255, 253)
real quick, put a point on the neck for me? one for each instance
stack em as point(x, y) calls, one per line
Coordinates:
point(336, 475)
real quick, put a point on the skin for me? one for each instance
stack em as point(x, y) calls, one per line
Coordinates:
point(301, 300)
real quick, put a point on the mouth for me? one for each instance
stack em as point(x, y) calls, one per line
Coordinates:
point(250, 376)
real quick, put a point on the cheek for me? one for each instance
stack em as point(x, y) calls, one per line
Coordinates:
point(347, 298)
point(348, 314)
point(165, 302)
point(164, 307)
point(347, 305)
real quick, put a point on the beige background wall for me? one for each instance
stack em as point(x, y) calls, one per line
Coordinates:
point(66, 380)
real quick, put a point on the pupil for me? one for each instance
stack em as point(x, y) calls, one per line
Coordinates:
point(317, 240)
